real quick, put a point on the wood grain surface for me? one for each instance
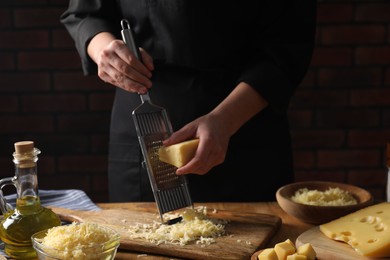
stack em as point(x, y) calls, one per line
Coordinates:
point(328, 249)
point(247, 232)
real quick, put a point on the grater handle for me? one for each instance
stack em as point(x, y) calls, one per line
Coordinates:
point(129, 40)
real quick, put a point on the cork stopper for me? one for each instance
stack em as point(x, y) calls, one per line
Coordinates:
point(24, 147)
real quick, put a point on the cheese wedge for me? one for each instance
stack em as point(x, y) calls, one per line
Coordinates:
point(178, 154)
point(366, 230)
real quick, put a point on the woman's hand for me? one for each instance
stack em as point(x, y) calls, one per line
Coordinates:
point(119, 66)
point(215, 129)
point(213, 143)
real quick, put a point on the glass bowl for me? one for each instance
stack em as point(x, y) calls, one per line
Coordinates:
point(99, 251)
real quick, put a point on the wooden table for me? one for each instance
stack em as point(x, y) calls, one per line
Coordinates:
point(291, 227)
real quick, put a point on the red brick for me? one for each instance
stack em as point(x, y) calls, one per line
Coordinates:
point(48, 60)
point(101, 101)
point(386, 117)
point(349, 158)
point(62, 39)
point(353, 34)
point(369, 177)
point(84, 123)
point(370, 97)
point(373, 12)
point(309, 80)
point(378, 55)
point(82, 164)
point(64, 143)
point(5, 18)
point(301, 118)
point(70, 81)
point(7, 61)
point(368, 138)
point(387, 77)
point(311, 98)
point(37, 17)
point(350, 77)
point(335, 56)
point(65, 181)
point(20, 39)
point(100, 183)
point(46, 163)
point(348, 118)
point(99, 143)
point(304, 159)
point(320, 175)
point(16, 82)
point(317, 138)
point(23, 2)
point(53, 103)
point(334, 12)
point(8, 104)
point(17, 124)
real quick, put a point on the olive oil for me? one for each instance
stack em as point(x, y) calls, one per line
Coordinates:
point(29, 216)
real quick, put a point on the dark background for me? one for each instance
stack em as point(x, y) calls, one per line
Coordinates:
point(340, 115)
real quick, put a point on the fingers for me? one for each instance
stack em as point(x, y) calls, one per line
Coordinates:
point(119, 66)
point(206, 157)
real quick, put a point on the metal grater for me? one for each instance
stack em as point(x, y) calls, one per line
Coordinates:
point(153, 126)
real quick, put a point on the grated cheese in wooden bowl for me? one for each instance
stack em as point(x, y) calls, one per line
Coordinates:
point(329, 197)
point(195, 227)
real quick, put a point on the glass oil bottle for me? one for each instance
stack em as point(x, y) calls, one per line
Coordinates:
point(29, 216)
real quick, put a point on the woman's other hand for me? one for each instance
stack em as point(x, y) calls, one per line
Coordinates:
point(119, 66)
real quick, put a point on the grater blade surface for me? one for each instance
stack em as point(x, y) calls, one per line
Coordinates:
point(152, 124)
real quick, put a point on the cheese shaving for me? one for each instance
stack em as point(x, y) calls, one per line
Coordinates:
point(329, 197)
point(194, 227)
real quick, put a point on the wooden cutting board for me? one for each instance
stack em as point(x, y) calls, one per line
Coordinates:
point(328, 249)
point(247, 232)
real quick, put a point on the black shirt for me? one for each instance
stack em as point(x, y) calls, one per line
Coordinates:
point(202, 50)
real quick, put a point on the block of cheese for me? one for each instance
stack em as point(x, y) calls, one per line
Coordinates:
point(268, 254)
point(366, 230)
point(284, 249)
point(307, 250)
point(178, 154)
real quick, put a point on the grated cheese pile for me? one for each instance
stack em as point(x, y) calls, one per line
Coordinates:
point(195, 226)
point(79, 241)
point(329, 197)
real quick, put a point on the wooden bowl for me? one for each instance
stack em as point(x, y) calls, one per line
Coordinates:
point(320, 214)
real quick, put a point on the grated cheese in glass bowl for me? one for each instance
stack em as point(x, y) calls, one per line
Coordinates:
point(76, 241)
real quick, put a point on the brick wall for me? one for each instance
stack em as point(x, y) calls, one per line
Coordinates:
point(340, 116)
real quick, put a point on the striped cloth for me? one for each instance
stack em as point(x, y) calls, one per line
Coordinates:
point(70, 199)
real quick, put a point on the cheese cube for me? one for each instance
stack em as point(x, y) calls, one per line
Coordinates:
point(290, 242)
point(366, 230)
point(308, 251)
point(178, 154)
point(268, 254)
point(284, 249)
point(296, 257)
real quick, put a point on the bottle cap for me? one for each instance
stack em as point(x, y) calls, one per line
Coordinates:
point(24, 147)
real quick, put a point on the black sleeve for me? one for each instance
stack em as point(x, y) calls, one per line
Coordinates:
point(283, 53)
point(84, 19)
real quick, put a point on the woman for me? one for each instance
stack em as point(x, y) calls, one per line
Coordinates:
point(225, 74)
